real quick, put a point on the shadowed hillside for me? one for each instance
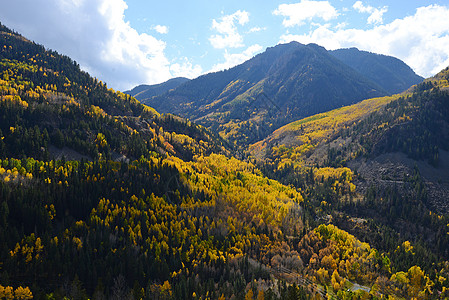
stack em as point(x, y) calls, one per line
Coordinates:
point(389, 72)
point(287, 82)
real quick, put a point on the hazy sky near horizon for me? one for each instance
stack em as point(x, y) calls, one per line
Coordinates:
point(130, 42)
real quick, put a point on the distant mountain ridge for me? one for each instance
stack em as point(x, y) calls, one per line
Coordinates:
point(145, 91)
point(391, 73)
point(285, 83)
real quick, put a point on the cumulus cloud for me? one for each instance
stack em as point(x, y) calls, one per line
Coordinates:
point(185, 69)
point(299, 13)
point(376, 14)
point(257, 29)
point(420, 40)
point(95, 34)
point(341, 25)
point(228, 36)
point(232, 60)
point(161, 29)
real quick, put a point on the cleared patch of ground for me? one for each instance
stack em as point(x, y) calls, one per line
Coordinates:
point(393, 169)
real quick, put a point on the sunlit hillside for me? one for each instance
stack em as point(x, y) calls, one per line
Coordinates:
point(102, 197)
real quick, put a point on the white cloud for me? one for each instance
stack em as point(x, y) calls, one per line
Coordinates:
point(257, 29)
point(341, 25)
point(161, 29)
point(232, 60)
point(376, 14)
point(185, 69)
point(420, 40)
point(95, 34)
point(358, 5)
point(298, 13)
point(228, 36)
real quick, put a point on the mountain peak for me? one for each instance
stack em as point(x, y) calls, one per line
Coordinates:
point(390, 72)
point(286, 45)
point(282, 84)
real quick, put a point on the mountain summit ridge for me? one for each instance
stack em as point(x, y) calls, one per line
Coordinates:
point(390, 72)
point(285, 83)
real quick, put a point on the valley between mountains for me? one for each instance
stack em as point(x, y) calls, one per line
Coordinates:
point(300, 174)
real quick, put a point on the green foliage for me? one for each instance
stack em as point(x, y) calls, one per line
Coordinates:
point(394, 218)
point(180, 226)
point(46, 100)
point(102, 197)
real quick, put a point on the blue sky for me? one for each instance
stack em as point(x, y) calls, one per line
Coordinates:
point(129, 42)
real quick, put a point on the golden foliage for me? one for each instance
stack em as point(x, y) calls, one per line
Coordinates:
point(20, 293)
point(306, 134)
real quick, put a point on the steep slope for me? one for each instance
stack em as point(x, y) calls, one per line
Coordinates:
point(51, 108)
point(395, 150)
point(367, 134)
point(138, 205)
point(387, 71)
point(421, 111)
point(378, 169)
point(146, 91)
point(171, 218)
point(283, 84)
point(302, 137)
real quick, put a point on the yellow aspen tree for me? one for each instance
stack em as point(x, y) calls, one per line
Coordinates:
point(6, 293)
point(23, 293)
point(249, 295)
point(260, 295)
point(336, 281)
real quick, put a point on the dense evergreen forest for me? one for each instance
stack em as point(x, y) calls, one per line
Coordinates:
point(102, 197)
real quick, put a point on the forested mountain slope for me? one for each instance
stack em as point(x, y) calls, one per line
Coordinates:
point(49, 102)
point(102, 197)
point(414, 123)
point(394, 152)
point(285, 83)
point(138, 204)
